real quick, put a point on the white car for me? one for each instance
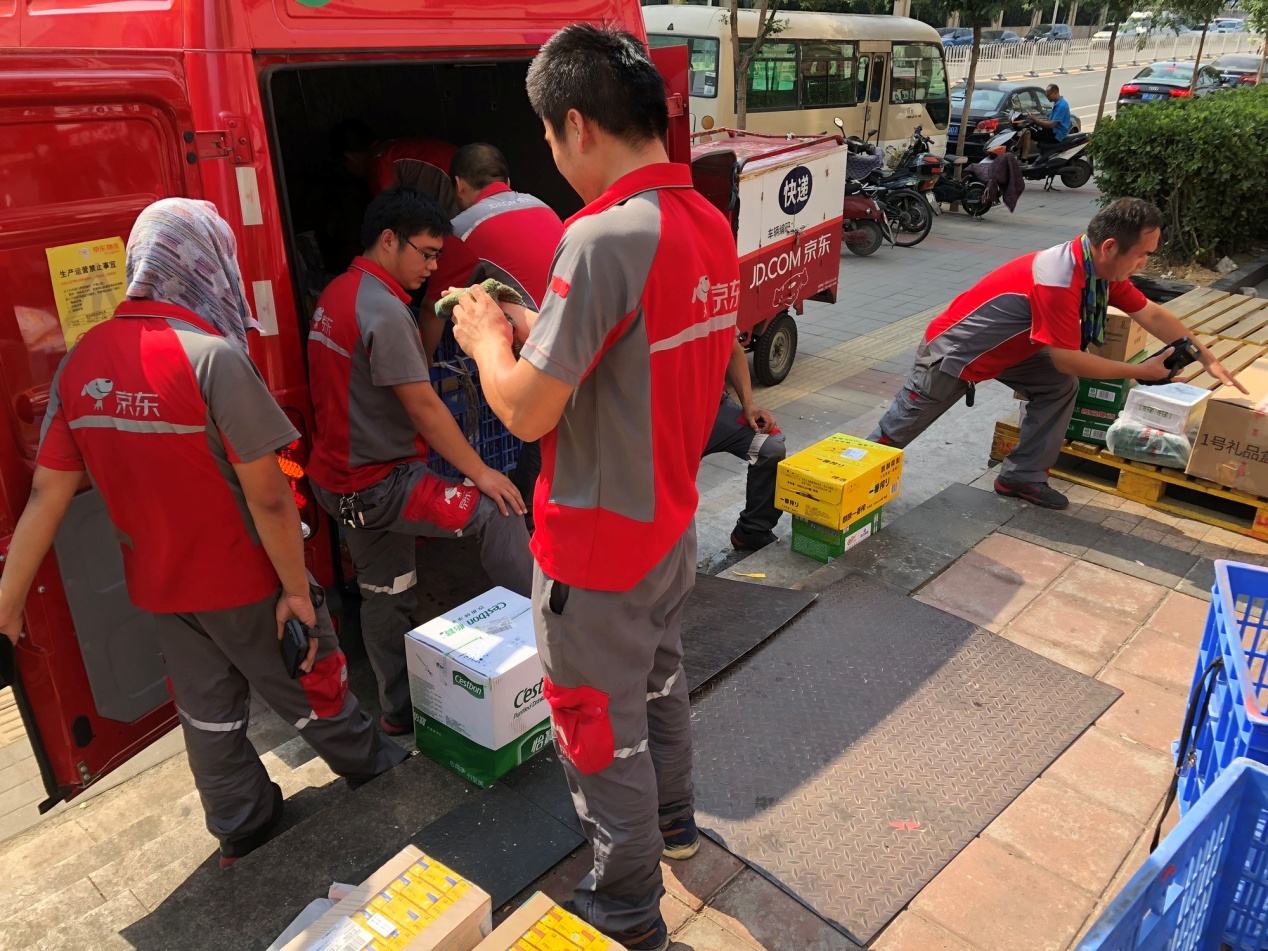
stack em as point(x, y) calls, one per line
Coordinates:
point(1224, 25)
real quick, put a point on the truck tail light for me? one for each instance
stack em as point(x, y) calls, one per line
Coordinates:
point(292, 459)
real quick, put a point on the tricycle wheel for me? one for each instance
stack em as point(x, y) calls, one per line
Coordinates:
point(863, 237)
point(775, 350)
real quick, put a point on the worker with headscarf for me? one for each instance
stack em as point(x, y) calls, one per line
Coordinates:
point(163, 409)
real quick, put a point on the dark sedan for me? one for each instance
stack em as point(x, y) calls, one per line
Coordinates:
point(1162, 82)
point(963, 36)
point(993, 103)
point(1060, 33)
point(1237, 69)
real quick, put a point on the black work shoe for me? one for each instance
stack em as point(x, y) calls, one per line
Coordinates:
point(750, 541)
point(682, 839)
point(1036, 493)
point(230, 852)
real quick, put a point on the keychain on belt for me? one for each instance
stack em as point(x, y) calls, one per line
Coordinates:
point(351, 511)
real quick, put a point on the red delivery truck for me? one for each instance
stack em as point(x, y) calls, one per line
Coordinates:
point(106, 107)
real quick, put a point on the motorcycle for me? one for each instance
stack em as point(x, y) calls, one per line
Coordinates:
point(864, 225)
point(968, 193)
point(1068, 160)
point(910, 217)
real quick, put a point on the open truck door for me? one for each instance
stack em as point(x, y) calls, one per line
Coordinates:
point(674, 66)
point(109, 135)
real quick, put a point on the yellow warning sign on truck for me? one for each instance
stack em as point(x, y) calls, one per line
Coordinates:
point(838, 480)
point(88, 283)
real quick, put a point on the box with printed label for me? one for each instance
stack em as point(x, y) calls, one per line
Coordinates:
point(475, 683)
point(1123, 337)
point(823, 544)
point(1231, 447)
point(837, 481)
point(1170, 407)
point(1106, 395)
point(1089, 428)
point(411, 903)
point(541, 925)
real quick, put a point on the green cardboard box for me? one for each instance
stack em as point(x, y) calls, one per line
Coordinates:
point(1089, 429)
point(1106, 395)
point(823, 544)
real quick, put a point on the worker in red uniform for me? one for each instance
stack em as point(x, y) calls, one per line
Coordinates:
point(163, 409)
point(377, 414)
point(618, 377)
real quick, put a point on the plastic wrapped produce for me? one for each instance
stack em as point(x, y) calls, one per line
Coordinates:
point(1133, 439)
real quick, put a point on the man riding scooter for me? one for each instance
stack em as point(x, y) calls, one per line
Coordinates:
point(1051, 130)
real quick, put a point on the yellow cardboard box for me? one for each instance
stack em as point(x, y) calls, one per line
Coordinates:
point(838, 480)
point(412, 903)
point(541, 925)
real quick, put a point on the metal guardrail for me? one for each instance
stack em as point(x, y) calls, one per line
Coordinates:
point(1015, 60)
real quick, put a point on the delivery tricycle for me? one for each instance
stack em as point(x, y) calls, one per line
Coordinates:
point(782, 195)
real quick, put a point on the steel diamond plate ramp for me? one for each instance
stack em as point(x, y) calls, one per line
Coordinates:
point(855, 754)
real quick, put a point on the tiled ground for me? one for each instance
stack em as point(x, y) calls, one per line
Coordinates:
point(1040, 874)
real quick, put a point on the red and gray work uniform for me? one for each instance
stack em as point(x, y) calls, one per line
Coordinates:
point(367, 467)
point(158, 407)
point(639, 316)
point(1000, 329)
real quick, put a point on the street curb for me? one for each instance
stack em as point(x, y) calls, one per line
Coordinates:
point(1249, 274)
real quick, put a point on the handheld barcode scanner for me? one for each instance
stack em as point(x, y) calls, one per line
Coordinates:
point(1184, 352)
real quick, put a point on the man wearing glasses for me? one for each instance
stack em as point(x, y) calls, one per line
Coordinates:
point(377, 415)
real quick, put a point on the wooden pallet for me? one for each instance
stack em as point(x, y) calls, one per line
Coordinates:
point(1216, 314)
point(1168, 490)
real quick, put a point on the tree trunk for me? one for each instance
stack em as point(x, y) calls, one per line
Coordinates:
point(1197, 62)
point(742, 64)
point(1263, 59)
point(1109, 69)
point(969, 82)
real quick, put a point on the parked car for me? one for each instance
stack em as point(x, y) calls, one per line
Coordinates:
point(944, 30)
point(963, 36)
point(1050, 34)
point(1165, 81)
point(1228, 25)
point(992, 104)
point(1237, 69)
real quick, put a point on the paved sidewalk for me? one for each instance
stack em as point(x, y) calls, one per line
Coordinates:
point(1129, 611)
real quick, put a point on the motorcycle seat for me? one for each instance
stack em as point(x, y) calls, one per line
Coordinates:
point(1078, 138)
point(956, 159)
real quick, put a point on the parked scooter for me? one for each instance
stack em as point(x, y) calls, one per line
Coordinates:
point(899, 194)
point(1069, 160)
point(967, 192)
point(863, 223)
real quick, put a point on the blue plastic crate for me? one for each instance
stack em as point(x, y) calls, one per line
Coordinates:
point(455, 376)
point(1206, 885)
point(1236, 721)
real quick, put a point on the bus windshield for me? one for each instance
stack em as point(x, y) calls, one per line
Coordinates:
point(919, 76)
point(703, 53)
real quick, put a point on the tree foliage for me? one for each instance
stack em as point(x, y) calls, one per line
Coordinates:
point(767, 25)
point(1202, 161)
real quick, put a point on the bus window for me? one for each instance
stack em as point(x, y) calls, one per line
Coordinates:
point(772, 77)
point(860, 81)
point(703, 53)
point(920, 77)
point(827, 74)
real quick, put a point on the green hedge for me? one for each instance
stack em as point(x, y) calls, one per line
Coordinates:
point(1204, 162)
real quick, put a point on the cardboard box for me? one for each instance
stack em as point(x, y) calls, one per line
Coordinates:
point(475, 683)
point(1106, 395)
point(1232, 445)
point(1089, 429)
point(1123, 337)
point(1169, 407)
point(837, 481)
point(541, 925)
point(412, 903)
point(823, 544)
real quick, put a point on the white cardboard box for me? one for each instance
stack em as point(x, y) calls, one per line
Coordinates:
point(1171, 407)
point(475, 682)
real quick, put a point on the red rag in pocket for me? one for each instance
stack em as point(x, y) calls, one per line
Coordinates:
point(326, 685)
point(583, 729)
point(448, 505)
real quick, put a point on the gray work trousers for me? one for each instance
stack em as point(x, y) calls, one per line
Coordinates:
point(927, 393)
point(413, 502)
point(762, 452)
point(214, 659)
point(622, 718)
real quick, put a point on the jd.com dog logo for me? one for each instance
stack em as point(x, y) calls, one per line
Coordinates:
point(794, 192)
